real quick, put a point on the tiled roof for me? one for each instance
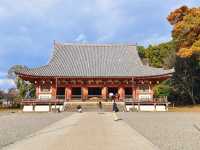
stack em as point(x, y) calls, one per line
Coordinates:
point(95, 60)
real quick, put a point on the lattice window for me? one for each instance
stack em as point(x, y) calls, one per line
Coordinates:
point(45, 88)
point(144, 88)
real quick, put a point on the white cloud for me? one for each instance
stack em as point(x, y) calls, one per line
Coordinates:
point(111, 17)
point(10, 8)
point(81, 38)
point(28, 27)
point(6, 83)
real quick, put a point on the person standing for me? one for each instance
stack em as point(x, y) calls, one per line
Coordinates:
point(79, 108)
point(115, 110)
point(100, 107)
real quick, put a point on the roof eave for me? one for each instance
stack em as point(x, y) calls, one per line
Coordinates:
point(85, 77)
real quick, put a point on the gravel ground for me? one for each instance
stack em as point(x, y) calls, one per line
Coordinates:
point(167, 130)
point(4, 113)
point(16, 126)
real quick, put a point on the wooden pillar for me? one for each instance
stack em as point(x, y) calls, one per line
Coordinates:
point(121, 93)
point(104, 93)
point(151, 90)
point(68, 93)
point(134, 94)
point(37, 87)
point(53, 90)
point(137, 93)
point(84, 93)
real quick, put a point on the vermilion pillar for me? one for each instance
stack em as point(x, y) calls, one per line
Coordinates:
point(134, 93)
point(121, 93)
point(151, 91)
point(84, 93)
point(37, 87)
point(137, 92)
point(104, 93)
point(53, 90)
point(68, 93)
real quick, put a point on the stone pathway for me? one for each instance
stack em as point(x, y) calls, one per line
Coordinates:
point(86, 131)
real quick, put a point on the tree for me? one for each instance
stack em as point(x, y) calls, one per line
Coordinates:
point(170, 60)
point(11, 72)
point(1, 94)
point(161, 55)
point(141, 51)
point(186, 30)
point(186, 34)
point(162, 89)
point(22, 86)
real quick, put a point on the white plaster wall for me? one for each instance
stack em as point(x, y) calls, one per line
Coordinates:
point(60, 107)
point(42, 108)
point(44, 96)
point(28, 108)
point(145, 96)
point(128, 107)
point(147, 107)
point(160, 108)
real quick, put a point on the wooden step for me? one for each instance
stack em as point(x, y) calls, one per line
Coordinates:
point(93, 106)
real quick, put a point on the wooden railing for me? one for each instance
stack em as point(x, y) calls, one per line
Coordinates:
point(42, 102)
point(60, 96)
point(162, 100)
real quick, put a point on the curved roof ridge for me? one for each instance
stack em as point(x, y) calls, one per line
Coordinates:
point(94, 44)
point(92, 60)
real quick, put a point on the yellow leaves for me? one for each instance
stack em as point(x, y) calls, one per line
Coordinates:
point(186, 30)
point(184, 52)
point(196, 43)
point(177, 15)
point(195, 49)
point(188, 52)
point(196, 46)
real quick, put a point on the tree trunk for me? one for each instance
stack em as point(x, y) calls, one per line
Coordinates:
point(194, 101)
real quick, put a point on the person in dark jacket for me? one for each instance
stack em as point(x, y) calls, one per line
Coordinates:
point(100, 107)
point(115, 110)
point(79, 108)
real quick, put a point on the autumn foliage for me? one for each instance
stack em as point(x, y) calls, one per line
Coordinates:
point(186, 30)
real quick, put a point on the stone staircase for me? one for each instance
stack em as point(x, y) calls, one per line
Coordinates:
point(93, 106)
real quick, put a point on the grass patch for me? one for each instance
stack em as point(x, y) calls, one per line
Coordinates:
point(10, 110)
point(188, 108)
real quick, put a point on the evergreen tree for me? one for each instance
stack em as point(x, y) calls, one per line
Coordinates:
point(22, 86)
point(186, 34)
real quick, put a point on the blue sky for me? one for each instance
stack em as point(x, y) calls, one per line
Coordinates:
point(28, 27)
